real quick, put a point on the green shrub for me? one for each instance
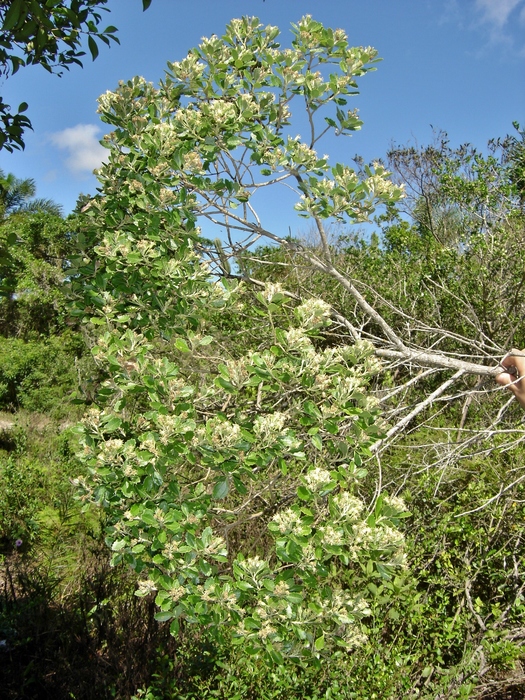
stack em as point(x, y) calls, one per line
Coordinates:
point(38, 375)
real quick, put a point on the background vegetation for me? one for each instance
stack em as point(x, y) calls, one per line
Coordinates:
point(444, 270)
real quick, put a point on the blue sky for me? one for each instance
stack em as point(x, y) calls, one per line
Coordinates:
point(456, 65)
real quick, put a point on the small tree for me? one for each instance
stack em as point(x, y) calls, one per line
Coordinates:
point(231, 471)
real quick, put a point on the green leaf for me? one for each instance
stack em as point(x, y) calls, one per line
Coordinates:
point(304, 494)
point(93, 47)
point(163, 616)
point(276, 656)
point(251, 624)
point(317, 442)
point(118, 545)
point(112, 424)
point(13, 15)
point(182, 345)
point(239, 486)
point(223, 384)
point(311, 409)
point(148, 517)
point(221, 489)
point(319, 643)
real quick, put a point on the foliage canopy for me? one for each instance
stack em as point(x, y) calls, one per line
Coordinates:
point(48, 33)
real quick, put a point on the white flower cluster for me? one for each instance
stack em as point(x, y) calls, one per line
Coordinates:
point(300, 154)
point(386, 537)
point(129, 471)
point(346, 389)
point(176, 593)
point(171, 549)
point(343, 195)
point(92, 417)
point(332, 536)
point(371, 366)
point(322, 382)
point(344, 607)
point(349, 507)
point(146, 587)
point(396, 503)
point(167, 197)
point(222, 433)
point(220, 111)
point(159, 170)
point(136, 187)
point(189, 69)
point(167, 138)
point(269, 428)
point(383, 538)
point(216, 546)
point(253, 567)
point(298, 340)
point(293, 155)
point(362, 536)
point(106, 101)
point(174, 425)
point(287, 521)
point(378, 185)
point(150, 444)
point(354, 637)
point(147, 248)
point(111, 247)
point(358, 351)
point(271, 289)
point(314, 80)
point(193, 162)
point(210, 44)
point(177, 389)
point(219, 293)
point(316, 479)
point(281, 589)
point(277, 615)
point(237, 372)
point(313, 312)
point(360, 355)
point(252, 106)
point(110, 451)
point(213, 593)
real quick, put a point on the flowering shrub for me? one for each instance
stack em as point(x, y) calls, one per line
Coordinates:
point(230, 473)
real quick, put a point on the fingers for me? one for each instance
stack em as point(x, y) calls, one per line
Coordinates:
point(513, 376)
point(514, 360)
point(505, 378)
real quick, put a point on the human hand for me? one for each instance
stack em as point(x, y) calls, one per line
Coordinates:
point(513, 375)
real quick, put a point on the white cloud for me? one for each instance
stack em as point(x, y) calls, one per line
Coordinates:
point(82, 144)
point(500, 18)
point(496, 12)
